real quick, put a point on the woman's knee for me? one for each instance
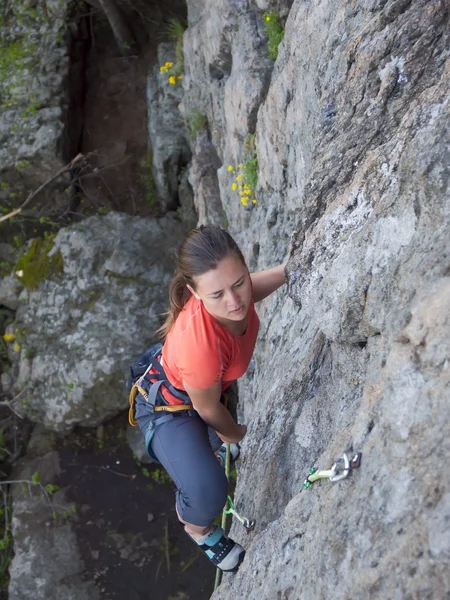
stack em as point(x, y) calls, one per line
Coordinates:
point(204, 500)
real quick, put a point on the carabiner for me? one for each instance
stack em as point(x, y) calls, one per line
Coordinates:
point(336, 473)
point(345, 471)
point(248, 524)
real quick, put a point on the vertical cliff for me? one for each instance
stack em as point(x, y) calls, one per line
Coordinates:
point(351, 137)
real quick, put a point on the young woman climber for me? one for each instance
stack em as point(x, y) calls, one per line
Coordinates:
point(210, 335)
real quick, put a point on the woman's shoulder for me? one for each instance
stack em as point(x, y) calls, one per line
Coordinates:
point(194, 327)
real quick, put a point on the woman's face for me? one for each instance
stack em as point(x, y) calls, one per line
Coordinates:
point(225, 291)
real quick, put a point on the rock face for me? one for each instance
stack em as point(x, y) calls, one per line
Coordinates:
point(351, 131)
point(167, 131)
point(79, 331)
point(41, 80)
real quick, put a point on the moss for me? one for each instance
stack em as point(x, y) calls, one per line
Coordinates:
point(196, 121)
point(35, 265)
point(148, 181)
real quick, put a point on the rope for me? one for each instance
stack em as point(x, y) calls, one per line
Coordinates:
point(224, 515)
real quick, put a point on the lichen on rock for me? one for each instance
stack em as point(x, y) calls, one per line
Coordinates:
point(39, 263)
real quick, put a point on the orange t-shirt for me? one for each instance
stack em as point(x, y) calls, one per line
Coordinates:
point(201, 351)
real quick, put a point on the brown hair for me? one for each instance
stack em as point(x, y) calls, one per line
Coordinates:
point(201, 251)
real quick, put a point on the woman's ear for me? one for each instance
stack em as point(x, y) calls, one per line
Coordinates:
point(193, 292)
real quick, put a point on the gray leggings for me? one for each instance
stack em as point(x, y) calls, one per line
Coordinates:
point(185, 447)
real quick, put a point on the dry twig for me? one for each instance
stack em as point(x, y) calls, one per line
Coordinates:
point(33, 194)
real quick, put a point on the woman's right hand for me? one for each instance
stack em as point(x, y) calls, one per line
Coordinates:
point(242, 430)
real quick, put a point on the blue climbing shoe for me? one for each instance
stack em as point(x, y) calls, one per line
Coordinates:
point(235, 450)
point(224, 553)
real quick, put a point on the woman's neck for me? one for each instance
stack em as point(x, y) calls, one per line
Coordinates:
point(236, 327)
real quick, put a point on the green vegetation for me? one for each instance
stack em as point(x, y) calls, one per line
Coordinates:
point(160, 477)
point(196, 121)
point(148, 181)
point(246, 173)
point(275, 33)
point(18, 342)
point(35, 265)
point(24, 31)
point(251, 163)
point(175, 31)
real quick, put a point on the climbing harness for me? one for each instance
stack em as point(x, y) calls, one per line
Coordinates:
point(147, 378)
point(340, 470)
point(249, 525)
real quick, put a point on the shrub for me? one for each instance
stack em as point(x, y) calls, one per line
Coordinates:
point(275, 33)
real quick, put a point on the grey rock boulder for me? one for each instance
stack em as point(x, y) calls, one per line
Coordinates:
point(88, 324)
point(48, 562)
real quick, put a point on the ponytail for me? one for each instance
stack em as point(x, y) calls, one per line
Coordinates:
point(179, 294)
point(201, 251)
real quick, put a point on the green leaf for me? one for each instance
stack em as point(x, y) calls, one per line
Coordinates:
point(36, 478)
point(51, 489)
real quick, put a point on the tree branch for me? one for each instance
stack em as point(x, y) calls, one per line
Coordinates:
point(33, 194)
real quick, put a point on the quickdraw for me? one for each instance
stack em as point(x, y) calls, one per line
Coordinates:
point(248, 524)
point(340, 470)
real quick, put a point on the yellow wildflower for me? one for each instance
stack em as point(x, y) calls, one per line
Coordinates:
point(267, 18)
point(234, 186)
point(244, 201)
point(172, 80)
point(230, 168)
point(180, 77)
point(162, 69)
point(239, 177)
point(248, 192)
point(169, 64)
point(16, 347)
point(254, 200)
point(9, 337)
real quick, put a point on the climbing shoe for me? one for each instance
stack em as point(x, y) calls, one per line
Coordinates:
point(222, 454)
point(224, 553)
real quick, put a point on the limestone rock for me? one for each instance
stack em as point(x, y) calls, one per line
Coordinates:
point(47, 560)
point(352, 145)
point(37, 133)
point(86, 326)
point(137, 445)
point(167, 130)
point(10, 290)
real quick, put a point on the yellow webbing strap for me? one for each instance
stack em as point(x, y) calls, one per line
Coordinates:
point(169, 408)
point(133, 393)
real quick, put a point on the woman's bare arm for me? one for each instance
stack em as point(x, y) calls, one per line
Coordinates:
point(213, 412)
point(266, 282)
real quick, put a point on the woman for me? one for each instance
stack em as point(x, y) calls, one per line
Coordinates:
point(210, 335)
